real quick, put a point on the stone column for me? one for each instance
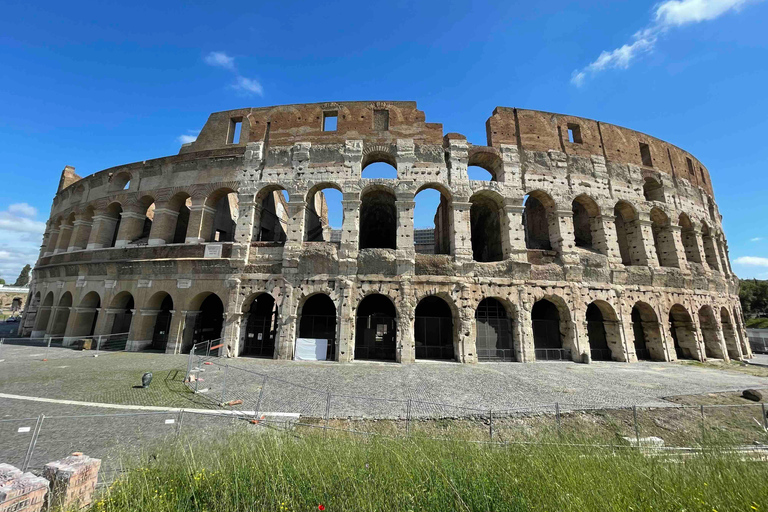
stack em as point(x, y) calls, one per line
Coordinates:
point(131, 226)
point(175, 332)
point(247, 221)
point(187, 334)
point(44, 244)
point(604, 237)
point(406, 316)
point(65, 234)
point(561, 235)
point(295, 235)
point(698, 249)
point(53, 237)
point(458, 155)
point(195, 228)
point(142, 329)
point(466, 330)
point(710, 253)
point(102, 231)
point(81, 234)
point(350, 234)
point(645, 252)
point(286, 332)
point(345, 337)
point(231, 334)
point(525, 347)
point(461, 239)
point(163, 225)
point(513, 232)
point(406, 251)
point(106, 321)
point(724, 263)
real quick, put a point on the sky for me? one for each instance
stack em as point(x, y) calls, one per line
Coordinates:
point(94, 85)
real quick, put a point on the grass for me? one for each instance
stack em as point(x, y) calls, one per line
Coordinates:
point(757, 323)
point(733, 366)
point(252, 470)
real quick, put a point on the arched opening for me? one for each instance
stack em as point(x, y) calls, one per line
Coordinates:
point(663, 240)
point(729, 334)
point(653, 190)
point(710, 253)
point(318, 321)
point(485, 165)
point(87, 315)
point(142, 236)
point(61, 317)
point(219, 225)
point(43, 314)
point(647, 333)
point(683, 333)
point(433, 329)
point(182, 204)
point(209, 320)
point(65, 233)
point(379, 165)
point(375, 333)
point(709, 334)
point(538, 206)
point(724, 264)
point(493, 338)
point(599, 330)
point(324, 214)
point(121, 181)
point(162, 322)
point(114, 216)
point(547, 337)
point(260, 327)
point(83, 228)
point(740, 332)
point(485, 227)
point(172, 222)
point(273, 215)
point(628, 234)
point(122, 307)
point(432, 220)
point(688, 236)
point(585, 224)
point(477, 173)
point(378, 219)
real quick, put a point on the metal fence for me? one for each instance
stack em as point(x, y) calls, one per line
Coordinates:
point(758, 340)
point(52, 347)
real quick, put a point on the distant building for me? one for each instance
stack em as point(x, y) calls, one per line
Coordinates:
point(12, 299)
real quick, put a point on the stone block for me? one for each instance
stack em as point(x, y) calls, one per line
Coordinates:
point(21, 492)
point(73, 480)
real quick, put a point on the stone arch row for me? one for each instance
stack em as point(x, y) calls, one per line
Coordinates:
point(433, 325)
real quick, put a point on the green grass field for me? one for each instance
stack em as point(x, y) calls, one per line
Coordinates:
point(253, 470)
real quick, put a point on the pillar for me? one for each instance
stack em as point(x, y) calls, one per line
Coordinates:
point(406, 252)
point(163, 225)
point(186, 336)
point(65, 234)
point(674, 245)
point(350, 233)
point(143, 328)
point(199, 212)
point(286, 324)
point(406, 317)
point(53, 237)
point(604, 237)
point(131, 226)
point(561, 235)
point(81, 233)
point(513, 232)
point(294, 232)
point(461, 235)
point(641, 245)
point(247, 221)
point(175, 332)
point(710, 252)
point(102, 231)
point(231, 334)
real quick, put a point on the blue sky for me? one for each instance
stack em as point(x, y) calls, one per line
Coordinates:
point(95, 85)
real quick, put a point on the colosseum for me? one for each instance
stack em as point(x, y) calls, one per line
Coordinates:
point(589, 242)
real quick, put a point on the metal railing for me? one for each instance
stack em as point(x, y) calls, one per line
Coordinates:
point(552, 354)
point(86, 345)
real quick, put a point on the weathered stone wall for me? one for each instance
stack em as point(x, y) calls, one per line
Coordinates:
point(656, 237)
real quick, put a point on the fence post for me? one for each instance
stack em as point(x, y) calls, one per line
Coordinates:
point(703, 426)
point(765, 418)
point(490, 431)
point(48, 348)
point(33, 442)
point(557, 418)
point(98, 344)
point(2, 340)
point(637, 428)
point(327, 413)
point(408, 419)
point(178, 423)
point(224, 389)
point(261, 394)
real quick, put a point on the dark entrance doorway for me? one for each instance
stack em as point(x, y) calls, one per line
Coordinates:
point(162, 325)
point(641, 344)
point(598, 340)
point(122, 322)
point(494, 332)
point(208, 323)
point(681, 330)
point(261, 328)
point(375, 334)
point(433, 329)
point(547, 340)
point(318, 321)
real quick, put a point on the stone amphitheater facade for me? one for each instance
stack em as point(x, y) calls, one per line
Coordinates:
point(590, 241)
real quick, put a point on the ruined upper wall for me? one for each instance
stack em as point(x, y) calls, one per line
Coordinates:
point(287, 124)
point(534, 130)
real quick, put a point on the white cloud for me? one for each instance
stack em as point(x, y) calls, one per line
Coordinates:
point(669, 14)
point(190, 136)
point(756, 239)
point(249, 86)
point(23, 209)
point(220, 59)
point(753, 261)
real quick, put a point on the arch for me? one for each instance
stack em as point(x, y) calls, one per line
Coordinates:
point(87, 315)
point(647, 333)
point(259, 334)
point(493, 331)
point(159, 324)
point(745, 349)
point(653, 190)
point(488, 160)
point(208, 321)
point(114, 217)
point(663, 240)
point(140, 235)
point(539, 207)
point(688, 236)
point(65, 233)
point(220, 217)
point(710, 252)
point(485, 215)
point(379, 163)
point(179, 207)
point(548, 325)
point(433, 332)
point(323, 200)
point(433, 218)
point(120, 181)
point(378, 218)
point(44, 313)
point(709, 333)
point(317, 320)
point(61, 315)
point(122, 308)
point(729, 334)
point(603, 332)
point(272, 215)
point(376, 330)
point(683, 333)
point(628, 234)
point(585, 223)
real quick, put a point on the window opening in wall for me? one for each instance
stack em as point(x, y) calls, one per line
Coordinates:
point(378, 220)
point(475, 172)
point(653, 190)
point(381, 120)
point(224, 218)
point(574, 133)
point(318, 321)
point(235, 126)
point(485, 228)
point(330, 121)
point(261, 327)
point(690, 165)
point(536, 224)
point(493, 332)
point(273, 221)
point(431, 222)
point(324, 216)
point(598, 339)
point(645, 154)
point(582, 225)
point(209, 321)
point(127, 185)
point(547, 338)
point(375, 329)
point(701, 171)
point(380, 170)
point(433, 329)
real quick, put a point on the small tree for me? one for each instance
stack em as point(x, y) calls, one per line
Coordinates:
point(2, 281)
point(23, 279)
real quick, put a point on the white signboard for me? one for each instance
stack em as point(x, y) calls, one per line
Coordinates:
point(183, 283)
point(212, 251)
point(310, 349)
